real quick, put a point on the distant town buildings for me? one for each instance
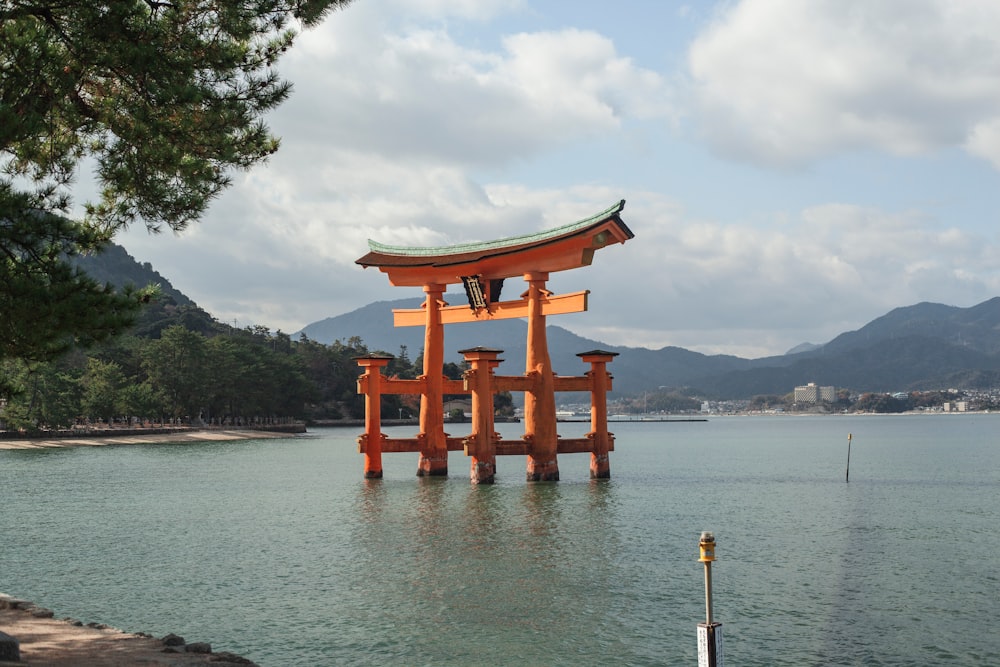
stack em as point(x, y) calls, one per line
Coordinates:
point(811, 393)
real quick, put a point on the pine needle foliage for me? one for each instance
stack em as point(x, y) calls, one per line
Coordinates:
point(164, 99)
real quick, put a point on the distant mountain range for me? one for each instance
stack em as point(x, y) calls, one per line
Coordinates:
point(924, 346)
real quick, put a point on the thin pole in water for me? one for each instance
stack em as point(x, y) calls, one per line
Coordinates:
point(847, 477)
point(709, 632)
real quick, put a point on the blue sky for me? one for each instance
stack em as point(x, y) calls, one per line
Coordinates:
point(791, 170)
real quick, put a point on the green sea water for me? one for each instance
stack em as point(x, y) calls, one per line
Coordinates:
point(278, 550)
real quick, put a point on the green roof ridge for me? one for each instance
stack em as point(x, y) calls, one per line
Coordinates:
point(460, 248)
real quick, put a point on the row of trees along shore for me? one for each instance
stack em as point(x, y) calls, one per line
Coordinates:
point(180, 365)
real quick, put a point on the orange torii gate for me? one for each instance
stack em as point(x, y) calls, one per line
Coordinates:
point(482, 269)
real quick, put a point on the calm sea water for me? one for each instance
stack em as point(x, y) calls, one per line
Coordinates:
point(280, 551)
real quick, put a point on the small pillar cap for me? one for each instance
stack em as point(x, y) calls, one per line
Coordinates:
point(597, 353)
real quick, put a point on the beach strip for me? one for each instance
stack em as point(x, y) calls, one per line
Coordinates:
point(178, 436)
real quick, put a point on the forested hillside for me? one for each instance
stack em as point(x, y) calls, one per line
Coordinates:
point(115, 266)
point(179, 363)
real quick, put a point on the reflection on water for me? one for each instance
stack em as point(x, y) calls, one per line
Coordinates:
point(523, 568)
point(282, 551)
point(371, 501)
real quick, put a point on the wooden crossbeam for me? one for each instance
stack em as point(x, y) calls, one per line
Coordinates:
point(403, 445)
point(571, 383)
point(553, 304)
point(501, 383)
point(515, 382)
point(417, 386)
point(503, 447)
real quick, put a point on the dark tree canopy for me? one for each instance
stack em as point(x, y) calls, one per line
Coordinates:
point(168, 96)
point(164, 97)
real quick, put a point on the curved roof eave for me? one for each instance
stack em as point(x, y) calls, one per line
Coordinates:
point(389, 255)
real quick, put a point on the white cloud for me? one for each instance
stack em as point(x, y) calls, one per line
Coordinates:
point(984, 141)
point(413, 93)
point(735, 288)
point(698, 284)
point(784, 81)
point(475, 10)
point(388, 116)
point(401, 131)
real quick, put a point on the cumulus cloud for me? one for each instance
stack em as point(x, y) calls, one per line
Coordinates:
point(784, 82)
point(412, 92)
point(403, 129)
point(984, 141)
point(741, 288)
point(389, 119)
point(753, 290)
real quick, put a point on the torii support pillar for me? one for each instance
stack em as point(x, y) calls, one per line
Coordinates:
point(480, 446)
point(540, 401)
point(370, 384)
point(600, 383)
point(433, 440)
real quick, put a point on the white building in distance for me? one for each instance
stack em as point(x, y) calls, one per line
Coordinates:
point(811, 393)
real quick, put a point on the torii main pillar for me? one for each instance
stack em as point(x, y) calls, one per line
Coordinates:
point(433, 440)
point(539, 402)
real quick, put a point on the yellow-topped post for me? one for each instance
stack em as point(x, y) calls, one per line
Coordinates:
point(709, 632)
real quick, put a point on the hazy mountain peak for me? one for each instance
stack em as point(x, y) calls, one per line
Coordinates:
point(804, 347)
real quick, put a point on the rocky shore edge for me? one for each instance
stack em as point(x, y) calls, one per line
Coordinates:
point(31, 635)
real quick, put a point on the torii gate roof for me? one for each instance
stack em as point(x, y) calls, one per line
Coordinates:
point(558, 249)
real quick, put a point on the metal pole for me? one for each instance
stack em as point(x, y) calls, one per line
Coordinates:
point(847, 475)
point(709, 632)
point(708, 593)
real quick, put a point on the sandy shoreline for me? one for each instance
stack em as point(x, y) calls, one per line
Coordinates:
point(136, 437)
point(44, 641)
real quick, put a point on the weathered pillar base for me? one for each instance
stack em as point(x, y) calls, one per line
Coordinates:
point(483, 472)
point(432, 466)
point(547, 471)
point(600, 466)
point(373, 474)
